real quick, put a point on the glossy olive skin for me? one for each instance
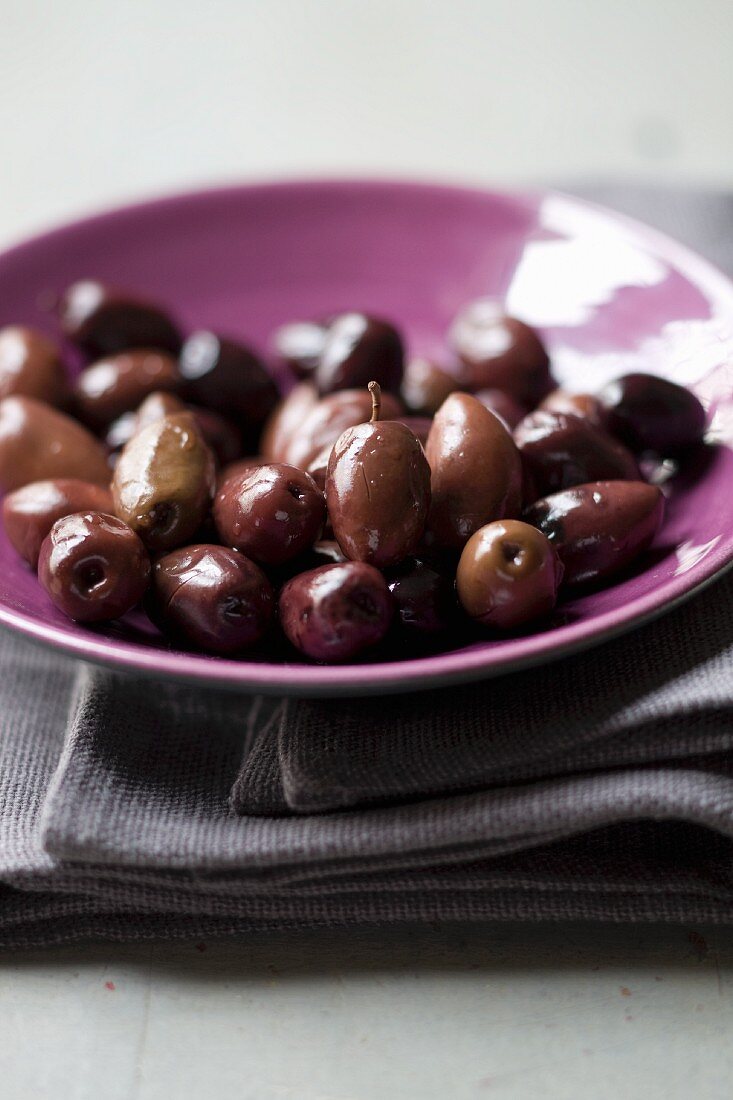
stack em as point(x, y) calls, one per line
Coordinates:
point(117, 384)
point(585, 405)
point(476, 470)
point(228, 377)
point(500, 352)
point(562, 450)
point(504, 405)
point(30, 366)
point(331, 416)
point(508, 575)
point(335, 612)
point(650, 413)
point(219, 434)
point(424, 597)
point(211, 596)
point(30, 512)
point(600, 528)
point(378, 492)
point(286, 421)
point(104, 320)
point(300, 344)
point(93, 567)
point(359, 349)
point(38, 442)
point(426, 385)
point(239, 466)
point(164, 480)
point(271, 513)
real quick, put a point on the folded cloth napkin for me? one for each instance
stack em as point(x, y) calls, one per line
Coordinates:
point(600, 786)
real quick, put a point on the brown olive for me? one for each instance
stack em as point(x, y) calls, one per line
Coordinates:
point(584, 405)
point(504, 405)
point(357, 349)
point(651, 413)
point(219, 434)
point(117, 384)
point(424, 597)
point(37, 442)
point(211, 596)
point(163, 482)
point(600, 528)
point(271, 513)
point(500, 352)
point(508, 574)
point(229, 378)
point(426, 385)
point(561, 450)
point(93, 566)
point(104, 320)
point(286, 421)
point(476, 470)
point(30, 512)
point(331, 416)
point(300, 344)
point(30, 366)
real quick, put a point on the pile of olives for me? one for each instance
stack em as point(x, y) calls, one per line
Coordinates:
point(383, 498)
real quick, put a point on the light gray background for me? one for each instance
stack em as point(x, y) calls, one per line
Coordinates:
point(102, 102)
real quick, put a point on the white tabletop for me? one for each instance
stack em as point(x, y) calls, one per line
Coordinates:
point(101, 103)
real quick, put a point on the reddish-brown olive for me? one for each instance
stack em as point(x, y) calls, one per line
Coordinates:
point(117, 384)
point(286, 421)
point(359, 348)
point(651, 413)
point(30, 512)
point(424, 597)
point(561, 450)
point(476, 470)
point(504, 405)
point(335, 612)
point(211, 596)
point(500, 352)
point(104, 320)
point(599, 529)
point(331, 416)
point(38, 442)
point(30, 366)
point(229, 378)
point(584, 405)
point(426, 385)
point(300, 344)
point(508, 575)
point(271, 513)
point(93, 566)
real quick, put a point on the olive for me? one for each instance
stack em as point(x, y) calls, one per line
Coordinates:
point(476, 470)
point(652, 413)
point(331, 416)
point(561, 450)
point(584, 405)
point(424, 597)
point(508, 574)
point(357, 349)
point(37, 442)
point(286, 421)
point(500, 352)
point(271, 513)
point(93, 566)
point(504, 405)
point(419, 426)
point(211, 596)
point(318, 466)
point(334, 612)
point(103, 320)
point(239, 466)
point(219, 434)
point(426, 385)
point(600, 528)
point(299, 344)
point(30, 366)
point(163, 482)
point(30, 512)
point(227, 377)
point(117, 384)
point(378, 490)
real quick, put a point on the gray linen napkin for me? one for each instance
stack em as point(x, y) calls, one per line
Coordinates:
point(117, 796)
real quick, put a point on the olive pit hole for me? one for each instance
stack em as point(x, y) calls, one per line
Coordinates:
point(513, 553)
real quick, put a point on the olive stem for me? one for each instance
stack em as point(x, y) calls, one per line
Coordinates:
point(376, 392)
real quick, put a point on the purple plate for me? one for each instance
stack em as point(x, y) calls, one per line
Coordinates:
point(609, 295)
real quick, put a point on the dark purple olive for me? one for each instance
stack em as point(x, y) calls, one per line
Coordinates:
point(426, 385)
point(335, 612)
point(286, 420)
point(584, 405)
point(331, 416)
point(38, 442)
point(116, 385)
point(500, 352)
point(227, 377)
point(424, 597)
point(211, 596)
point(561, 450)
point(378, 490)
point(93, 567)
point(504, 405)
point(271, 513)
point(29, 513)
point(30, 366)
point(103, 320)
point(300, 344)
point(651, 413)
point(508, 575)
point(358, 349)
point(600, 528)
